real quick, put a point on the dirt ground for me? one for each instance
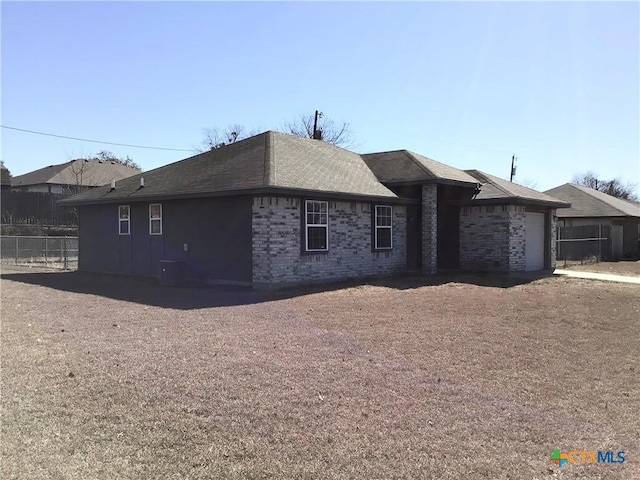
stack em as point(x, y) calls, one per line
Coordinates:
point(629, 268)
point(454, 377)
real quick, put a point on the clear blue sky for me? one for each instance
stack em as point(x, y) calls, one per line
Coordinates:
point(467, 84)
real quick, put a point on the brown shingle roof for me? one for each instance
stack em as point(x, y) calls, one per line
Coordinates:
point(79, 172)
point(403, 166)
point(587, 202)
point(267, 162)
point(498, 190)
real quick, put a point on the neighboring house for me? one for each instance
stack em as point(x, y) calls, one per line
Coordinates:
point(275, 210)
point(591, 207)
point(72, 177)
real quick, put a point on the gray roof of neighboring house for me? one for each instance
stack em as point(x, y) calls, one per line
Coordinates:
point(498, 190)
point(79, 172)
point(587, 202)
point(270, 162)
point(403, 166)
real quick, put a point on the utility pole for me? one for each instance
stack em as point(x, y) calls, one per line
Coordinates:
point(317, 134)
point(513, 168)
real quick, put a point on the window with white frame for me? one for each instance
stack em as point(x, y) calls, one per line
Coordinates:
point(316, 226)
point(155, 219)
point(124, 219)
point(383, 228)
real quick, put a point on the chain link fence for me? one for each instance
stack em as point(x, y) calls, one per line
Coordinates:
point(589, 243)
point(53, 252)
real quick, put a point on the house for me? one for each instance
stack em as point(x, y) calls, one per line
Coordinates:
point(71, 177)
point(275, 210)
point(592, 207)
point(471, 220)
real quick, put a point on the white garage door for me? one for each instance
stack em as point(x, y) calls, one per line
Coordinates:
point(534, 238)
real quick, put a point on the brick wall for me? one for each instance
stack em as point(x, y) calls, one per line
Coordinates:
point(429, 228)
point(492, 238)
point(277, 252)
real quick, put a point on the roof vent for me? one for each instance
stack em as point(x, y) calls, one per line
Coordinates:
point(113, 185)
point(141, 182)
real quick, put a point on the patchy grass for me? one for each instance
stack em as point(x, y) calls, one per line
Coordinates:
point(394, 380)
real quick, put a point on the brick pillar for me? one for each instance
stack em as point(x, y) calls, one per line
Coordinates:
point(261, 240)
point(517, 238)
point(429, 229)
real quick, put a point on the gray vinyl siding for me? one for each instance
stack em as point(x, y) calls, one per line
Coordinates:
point(217, 232)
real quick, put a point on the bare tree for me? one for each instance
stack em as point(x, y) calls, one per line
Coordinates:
point(216, 138)
point(331, 132)
point(107, 156)
point(613, 187)
point(80, 168)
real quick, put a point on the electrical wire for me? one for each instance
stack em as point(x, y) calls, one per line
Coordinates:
point(95, 141)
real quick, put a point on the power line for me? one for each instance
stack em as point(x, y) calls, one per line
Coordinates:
point(95, 141)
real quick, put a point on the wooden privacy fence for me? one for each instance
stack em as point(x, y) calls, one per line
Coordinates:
point(600, 242)
point(55, 252)
point(35, 208)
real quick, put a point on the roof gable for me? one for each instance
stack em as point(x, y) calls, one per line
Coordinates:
point(588, 202)
point(315, 165)
point(404, 166)
point(497, 189)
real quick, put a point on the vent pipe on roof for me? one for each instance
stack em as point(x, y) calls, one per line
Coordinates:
point(141, 182)
point(113, 184)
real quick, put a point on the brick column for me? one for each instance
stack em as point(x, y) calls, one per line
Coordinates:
point(261, 240)
point(517, 238)
point(429, 229)
point(554, 224)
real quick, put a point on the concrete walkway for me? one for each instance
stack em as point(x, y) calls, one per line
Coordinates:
point(597, 276)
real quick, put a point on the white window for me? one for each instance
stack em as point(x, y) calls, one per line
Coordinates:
point(123, 220)
point(155, 219)
point(316, 226)
point(383, 228)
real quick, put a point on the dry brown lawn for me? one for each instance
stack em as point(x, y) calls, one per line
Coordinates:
point(629, 268)
point(112, 378)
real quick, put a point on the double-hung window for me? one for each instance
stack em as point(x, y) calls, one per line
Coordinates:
point(383, 227)
point(124, 220)
point(155, 219)
point(316, 226)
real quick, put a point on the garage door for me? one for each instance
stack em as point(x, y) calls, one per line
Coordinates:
point(534, 241)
